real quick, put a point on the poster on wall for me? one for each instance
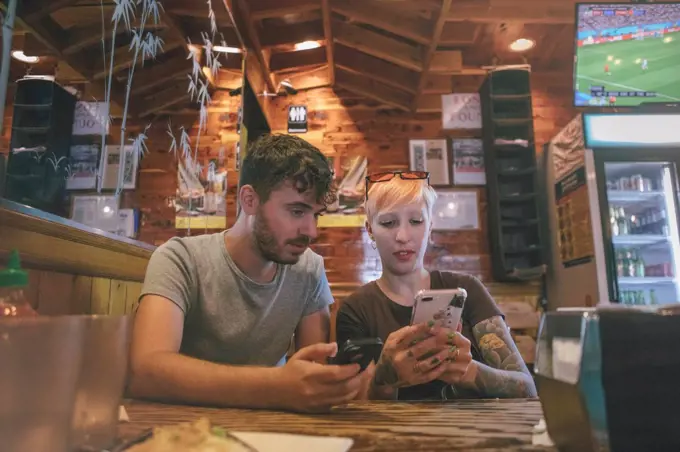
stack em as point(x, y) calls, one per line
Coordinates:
point(568, 148)
point(90, 118)
point(83, 163)
point(575, 234)
point(100, 212)
point(350, 178)
point(461, 111)
point(201, 200)
point(468, 162)
point(455, 210)
point(297, 119)
point(112, 164)
point(432, 156)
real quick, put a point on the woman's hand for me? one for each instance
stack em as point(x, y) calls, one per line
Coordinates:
point(459, 366)
point(415, 355)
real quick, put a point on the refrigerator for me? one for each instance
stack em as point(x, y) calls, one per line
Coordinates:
point(611, 200)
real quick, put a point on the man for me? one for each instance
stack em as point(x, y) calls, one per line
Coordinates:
point(217, 311)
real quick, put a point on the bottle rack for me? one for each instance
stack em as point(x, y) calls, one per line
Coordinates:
point(513, 196)
point(40, 144)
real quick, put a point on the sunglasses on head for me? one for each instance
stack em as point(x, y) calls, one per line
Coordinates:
point(389, 175)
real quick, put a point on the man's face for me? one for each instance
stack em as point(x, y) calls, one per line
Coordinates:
point(285, 225)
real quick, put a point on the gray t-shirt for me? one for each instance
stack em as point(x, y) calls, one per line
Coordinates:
point(229, 318)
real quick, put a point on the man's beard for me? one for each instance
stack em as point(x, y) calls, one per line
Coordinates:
point(266, 241)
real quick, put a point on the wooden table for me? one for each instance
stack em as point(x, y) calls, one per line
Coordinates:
point(484, 425)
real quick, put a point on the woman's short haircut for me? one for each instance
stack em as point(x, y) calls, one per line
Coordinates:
point(396, 192)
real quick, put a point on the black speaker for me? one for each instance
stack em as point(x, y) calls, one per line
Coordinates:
point(517, 242)
point(40, 145)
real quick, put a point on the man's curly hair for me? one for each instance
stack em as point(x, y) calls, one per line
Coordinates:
point(272, 160)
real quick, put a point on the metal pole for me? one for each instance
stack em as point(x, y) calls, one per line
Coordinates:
point(7, 34)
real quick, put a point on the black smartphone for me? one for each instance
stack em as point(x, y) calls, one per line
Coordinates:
point(359, 351)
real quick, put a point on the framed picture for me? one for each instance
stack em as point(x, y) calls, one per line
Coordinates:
point(100, 212)
point(432, 156)
point(456, 210)
point(468, 162)
point(112, 164)
point(84, 161)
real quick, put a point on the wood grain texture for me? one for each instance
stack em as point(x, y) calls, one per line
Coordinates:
point(479, 425)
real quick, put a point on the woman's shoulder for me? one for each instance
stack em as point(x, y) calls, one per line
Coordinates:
point(453, 279)
point(361, 296)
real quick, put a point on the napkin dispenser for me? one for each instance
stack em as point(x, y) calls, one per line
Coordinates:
point(608, 378)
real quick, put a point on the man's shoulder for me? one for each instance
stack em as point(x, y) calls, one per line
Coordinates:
point(310, 263)
point(189, 245)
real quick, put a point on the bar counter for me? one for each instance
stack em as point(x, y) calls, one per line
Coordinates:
point(73, 268)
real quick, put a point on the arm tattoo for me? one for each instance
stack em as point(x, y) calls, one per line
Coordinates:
point(503, 372)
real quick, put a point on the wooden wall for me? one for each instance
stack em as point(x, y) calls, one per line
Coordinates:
point(56, 293)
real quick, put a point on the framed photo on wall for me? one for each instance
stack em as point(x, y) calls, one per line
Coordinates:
point(468, 162)
point(432, 156)
point(456, 210)
point(112, 163)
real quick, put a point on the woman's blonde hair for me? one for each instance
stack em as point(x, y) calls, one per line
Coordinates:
point(397, 191)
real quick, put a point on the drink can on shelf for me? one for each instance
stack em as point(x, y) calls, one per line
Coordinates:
point(636, 182)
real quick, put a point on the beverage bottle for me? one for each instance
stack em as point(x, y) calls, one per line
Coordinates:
point(13, 283)
point(619, 263)
point(613, 219)
point(639, 267)
point(652, 297)
point(629, 264)
point(623, 222)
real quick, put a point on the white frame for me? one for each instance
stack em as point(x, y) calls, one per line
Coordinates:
point(416, 146)
point(449, 200)
point(105, 171)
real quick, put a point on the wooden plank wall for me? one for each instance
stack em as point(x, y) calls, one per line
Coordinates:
point(54, 293)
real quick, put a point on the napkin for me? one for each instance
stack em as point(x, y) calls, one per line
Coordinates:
point(540, 435)
point(282, 442)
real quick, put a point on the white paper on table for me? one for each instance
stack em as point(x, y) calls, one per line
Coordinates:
point(284, 442)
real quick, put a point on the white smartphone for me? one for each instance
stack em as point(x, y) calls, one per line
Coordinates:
point(443, 306)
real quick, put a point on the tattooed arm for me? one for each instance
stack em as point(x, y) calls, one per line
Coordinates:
point(503, 373)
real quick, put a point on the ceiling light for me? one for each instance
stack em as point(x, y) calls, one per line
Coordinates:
point(226, 49)
point(21, 56)
point(307, 45)
point(522, 45)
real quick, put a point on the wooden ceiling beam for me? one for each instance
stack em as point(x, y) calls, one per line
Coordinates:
point(168, 97)
point(378, 45)
point(315, 78)
point(244, 22)
point(328, 34)
point(87, 36)
point(124, 57)
point(159, 74)
point(373, 90)
point(265, 9)
point(527, 12)
point(446, 62)
point(300, 58)
point(35, 9)
point(375, 68)
point(429, 58)
point(378, 14)
point(280, 35)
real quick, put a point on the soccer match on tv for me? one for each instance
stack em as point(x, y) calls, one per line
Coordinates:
point(627, 54)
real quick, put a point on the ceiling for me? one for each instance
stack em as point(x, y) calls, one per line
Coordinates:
point(401, 53)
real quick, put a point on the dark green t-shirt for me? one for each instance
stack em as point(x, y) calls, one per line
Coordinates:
point(369, 313)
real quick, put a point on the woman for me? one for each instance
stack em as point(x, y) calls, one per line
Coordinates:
point(423, 362)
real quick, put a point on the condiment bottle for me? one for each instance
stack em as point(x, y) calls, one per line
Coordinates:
point(13, 283)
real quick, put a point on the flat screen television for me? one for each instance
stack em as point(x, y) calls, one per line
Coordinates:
point(627, 54)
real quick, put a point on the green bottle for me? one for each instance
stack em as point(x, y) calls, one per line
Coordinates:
point(652, 297)
point(13, 283)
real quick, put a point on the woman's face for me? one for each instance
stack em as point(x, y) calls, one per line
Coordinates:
point(401, 236)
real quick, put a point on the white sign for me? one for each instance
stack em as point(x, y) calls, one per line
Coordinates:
point(461, 111)
point(90, 118)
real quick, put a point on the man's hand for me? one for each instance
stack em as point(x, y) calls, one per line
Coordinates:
point(308, 385)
